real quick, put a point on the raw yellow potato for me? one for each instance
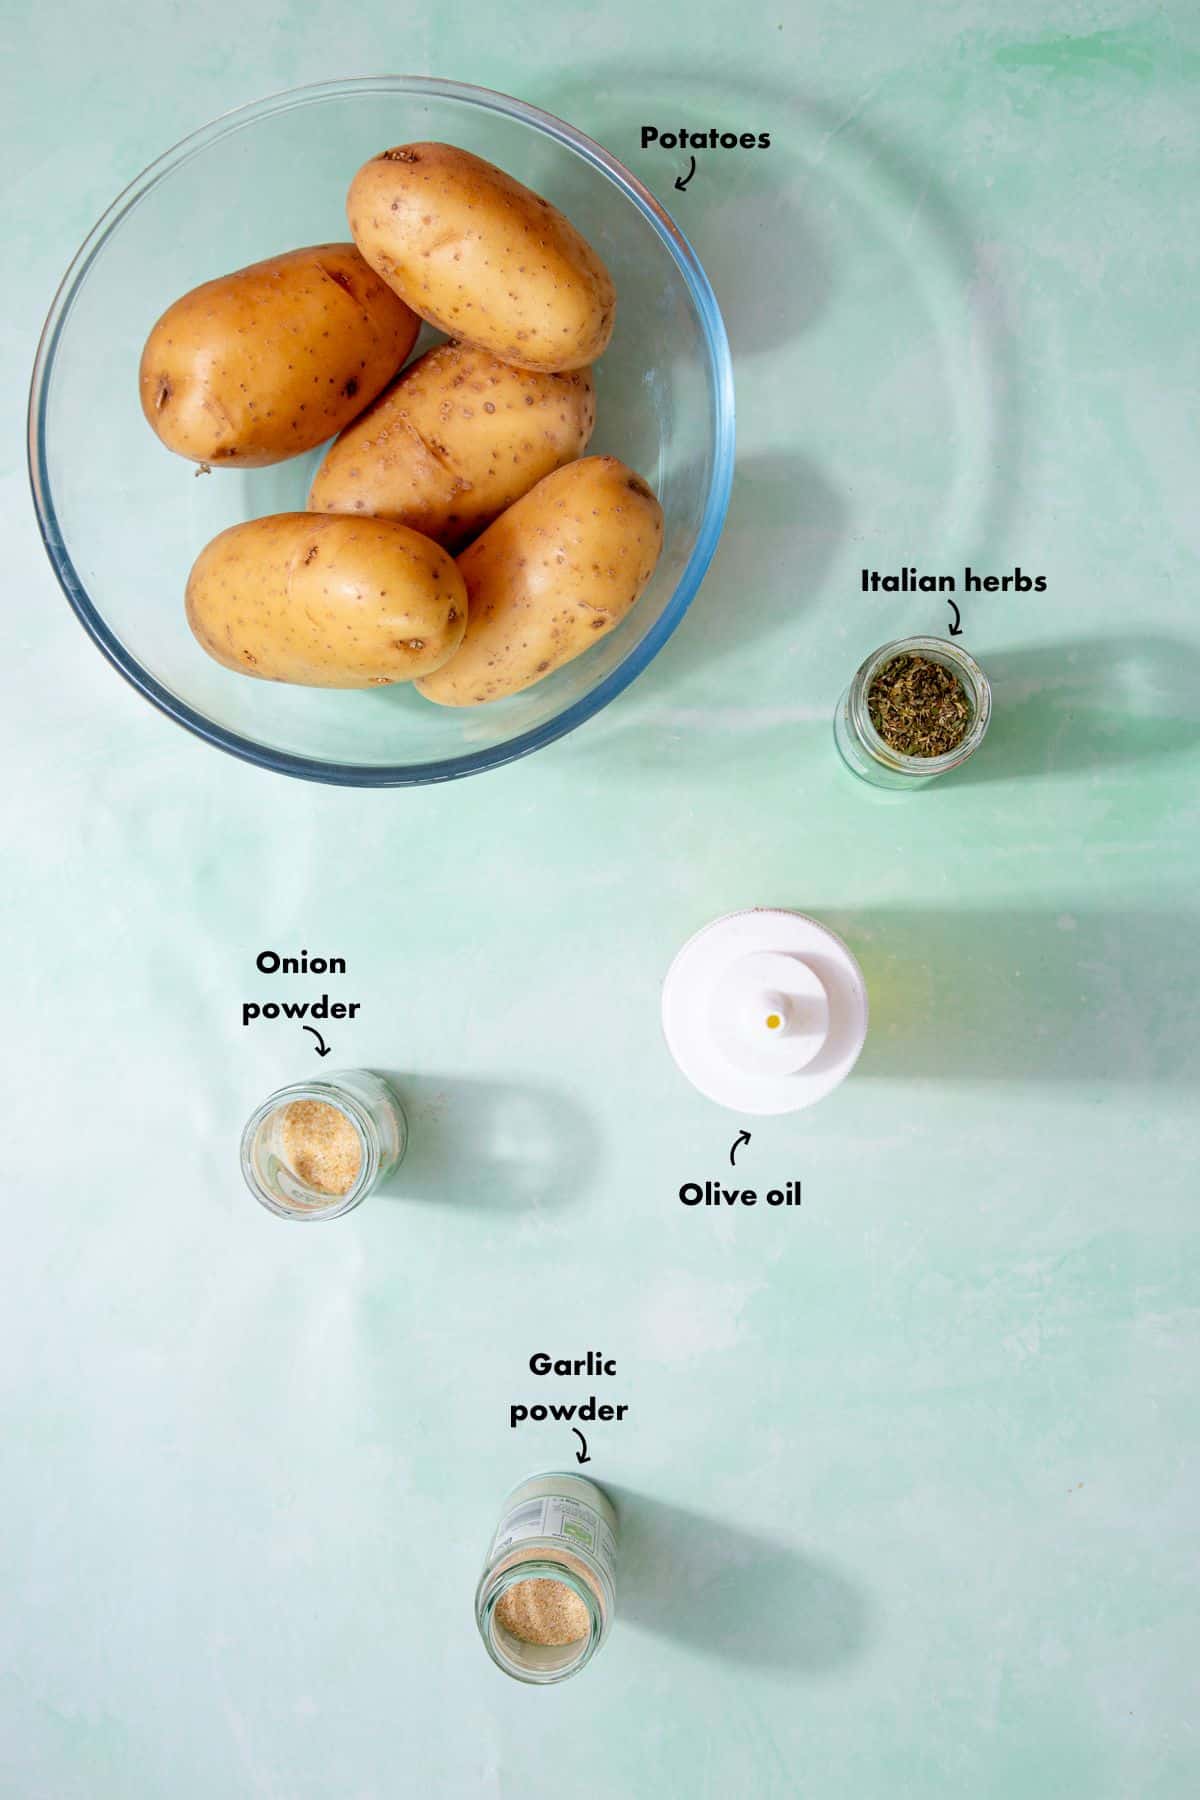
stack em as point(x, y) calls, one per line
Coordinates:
point(455, 441)
point(326, 601)
point(270, 361)
point(482, 257)
point(554, 573)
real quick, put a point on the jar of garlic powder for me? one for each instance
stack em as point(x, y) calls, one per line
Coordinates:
point(545, 1600)
point(316, 1149)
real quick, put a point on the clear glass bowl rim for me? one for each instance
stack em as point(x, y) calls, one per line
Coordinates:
point(716, 504)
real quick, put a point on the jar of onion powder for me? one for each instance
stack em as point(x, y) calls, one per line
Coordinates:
point(316, 1149)
point(545, 1600)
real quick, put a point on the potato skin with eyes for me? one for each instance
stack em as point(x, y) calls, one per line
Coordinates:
point(270, 361)
point(482, 257)
point(322, 601)
point(552, 576)
point(456, 439)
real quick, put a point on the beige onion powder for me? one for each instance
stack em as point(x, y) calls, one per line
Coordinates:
point(320, 1146)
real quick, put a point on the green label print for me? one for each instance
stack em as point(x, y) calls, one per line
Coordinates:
point(580, 1532)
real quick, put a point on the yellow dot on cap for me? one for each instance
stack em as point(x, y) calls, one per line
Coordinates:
point(773, 1021)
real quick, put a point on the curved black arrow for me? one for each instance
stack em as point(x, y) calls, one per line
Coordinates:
point(956, 625)
point(322, 1046)
point(681, 181)
point(743, 1137)
point(581, 1456)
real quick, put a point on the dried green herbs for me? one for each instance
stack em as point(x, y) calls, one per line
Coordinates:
point(918, 707)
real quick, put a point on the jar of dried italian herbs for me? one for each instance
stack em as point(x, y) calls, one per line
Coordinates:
point(914, 710)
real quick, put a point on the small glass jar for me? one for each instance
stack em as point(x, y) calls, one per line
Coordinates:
point(560, 1530)
point(376, 1124)
point(867, 754)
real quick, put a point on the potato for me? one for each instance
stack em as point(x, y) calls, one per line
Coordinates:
point(326, 601)
point(482, 257)
point(272, 360)
point(454, 442)
point(553, 574)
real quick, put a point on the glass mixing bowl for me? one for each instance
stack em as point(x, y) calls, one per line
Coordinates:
point(123, 519)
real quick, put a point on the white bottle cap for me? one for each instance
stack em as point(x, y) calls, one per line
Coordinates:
point(765, 1011)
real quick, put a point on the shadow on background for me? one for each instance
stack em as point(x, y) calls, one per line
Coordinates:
point(492, 1144)
point(783, 514)
point(1087, 706)
point(1022, 994)
point(760, 222)
point(741, 206)
point(729, 219)
point(736, 205)
point(732, 1594)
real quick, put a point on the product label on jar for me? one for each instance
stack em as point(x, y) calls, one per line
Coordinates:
point(575, 1524)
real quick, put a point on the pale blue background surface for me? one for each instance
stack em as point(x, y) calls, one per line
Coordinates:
point(909, 1478)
